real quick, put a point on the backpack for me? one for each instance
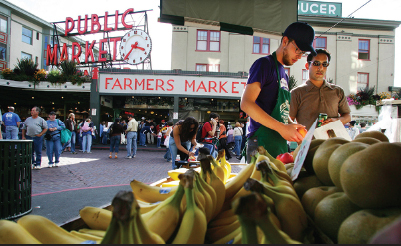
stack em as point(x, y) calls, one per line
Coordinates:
point(199, 134)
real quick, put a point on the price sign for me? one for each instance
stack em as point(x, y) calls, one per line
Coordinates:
point(299, 160)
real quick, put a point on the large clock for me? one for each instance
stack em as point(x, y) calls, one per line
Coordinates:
point(135, 46)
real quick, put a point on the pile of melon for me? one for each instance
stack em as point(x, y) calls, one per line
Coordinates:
point(351, 189)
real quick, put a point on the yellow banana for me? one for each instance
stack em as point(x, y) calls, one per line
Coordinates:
point(164, 219)
point(96, 218)
point(46, 231)
point(209, 209)
point(147, 235)
point(222, 222)
point(174, 173)
point(224, 164)
point(279, 185)
point(234, 237)
point(193, 226)
point(146, 206)
point(216, 233)
point(277, 163)
point(210, 177)
point(209, 189)
point(86, 236)
point(293, 219)
point(236, 183)
point(98, 233)
point(170, 184)
point(13, 233)
point(149, 193)
point(218, 170)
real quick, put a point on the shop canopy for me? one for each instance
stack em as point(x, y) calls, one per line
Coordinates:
point(239, 16)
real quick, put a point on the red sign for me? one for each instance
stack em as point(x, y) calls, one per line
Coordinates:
point(94, 26)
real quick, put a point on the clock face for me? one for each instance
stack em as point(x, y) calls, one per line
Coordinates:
point(135, 46)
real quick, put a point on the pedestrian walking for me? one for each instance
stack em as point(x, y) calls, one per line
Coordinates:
point(115, 137)
point(86, 131)
point(237, 138)
point(53, 139)
point(167, 155)
point(11, 121)
point(34, 128)
point(71, 125)
point(132, 134)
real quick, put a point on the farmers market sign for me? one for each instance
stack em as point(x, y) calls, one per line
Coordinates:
point(171, 85)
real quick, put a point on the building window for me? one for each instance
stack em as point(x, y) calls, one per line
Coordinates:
point(208, 40)
point(287, 71)
point(363, 49)
point(37, 36)
point(207, 67)
point(26, 35)
point(26, 56)
point(3, 24)
point(305, 75)
point(320, 43)
point(363, 80)
point(261, 45)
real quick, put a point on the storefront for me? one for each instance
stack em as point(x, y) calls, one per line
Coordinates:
point(166, 95)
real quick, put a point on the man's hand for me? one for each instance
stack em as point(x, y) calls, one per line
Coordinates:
point(329, 120)
point(289, 132)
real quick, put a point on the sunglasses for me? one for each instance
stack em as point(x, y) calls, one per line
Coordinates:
point(318, 63)
point(298, 51)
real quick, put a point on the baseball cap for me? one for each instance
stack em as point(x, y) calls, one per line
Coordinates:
point(52, 113)
point(303, 35)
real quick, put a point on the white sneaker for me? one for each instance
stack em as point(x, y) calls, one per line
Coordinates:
point(55, 165)
point(50, 165)
point(89, 152)
point(133, 156)
point(128, 157)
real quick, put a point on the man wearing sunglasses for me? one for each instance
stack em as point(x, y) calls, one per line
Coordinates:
point(266, 98)
point(317, 95)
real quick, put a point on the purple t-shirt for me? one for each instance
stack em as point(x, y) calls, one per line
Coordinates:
point(263, 70)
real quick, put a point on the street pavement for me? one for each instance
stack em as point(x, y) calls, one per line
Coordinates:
point(58, 193)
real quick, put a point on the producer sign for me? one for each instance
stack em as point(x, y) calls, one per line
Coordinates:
point(171, 85)
point(319, 8)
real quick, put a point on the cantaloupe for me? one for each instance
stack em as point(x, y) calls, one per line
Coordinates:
point(303, 184)
point(367, 140)
point(314, 145)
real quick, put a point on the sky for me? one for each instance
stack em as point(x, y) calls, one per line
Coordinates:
point(161, 33)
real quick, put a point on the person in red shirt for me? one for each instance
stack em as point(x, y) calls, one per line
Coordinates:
point(209, 128)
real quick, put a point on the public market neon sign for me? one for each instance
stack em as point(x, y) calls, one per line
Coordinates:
point(93, 27)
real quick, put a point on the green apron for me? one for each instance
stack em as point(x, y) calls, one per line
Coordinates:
point(271, 140)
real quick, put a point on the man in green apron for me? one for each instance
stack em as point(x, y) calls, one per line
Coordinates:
point(266, 98)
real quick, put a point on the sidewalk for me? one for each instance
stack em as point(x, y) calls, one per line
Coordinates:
point(83, 179)
point(91, 179)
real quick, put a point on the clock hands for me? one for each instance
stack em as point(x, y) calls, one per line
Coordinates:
point(136, 46)
point(133, 46)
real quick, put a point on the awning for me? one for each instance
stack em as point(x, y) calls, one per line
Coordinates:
point(240, 16)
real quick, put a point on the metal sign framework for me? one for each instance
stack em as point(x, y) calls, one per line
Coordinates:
point(109, 63)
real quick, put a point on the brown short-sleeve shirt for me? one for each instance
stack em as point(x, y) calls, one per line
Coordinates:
point(307, 101)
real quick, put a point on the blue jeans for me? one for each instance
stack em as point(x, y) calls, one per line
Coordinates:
point(167, 156)
point(131, 143)
point(174, 150)
point(104, 138)
point(115, 143)
point(36, 149)
point(142, 139)
point(159, 140)
point(53, 146)
point(11, 132)
point(87, 142)
point(70, 143)
point(237, 148)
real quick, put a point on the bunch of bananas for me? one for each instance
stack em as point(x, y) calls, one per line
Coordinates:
point(201, 206)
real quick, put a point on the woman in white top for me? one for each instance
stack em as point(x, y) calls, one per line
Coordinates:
point(237, 138)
